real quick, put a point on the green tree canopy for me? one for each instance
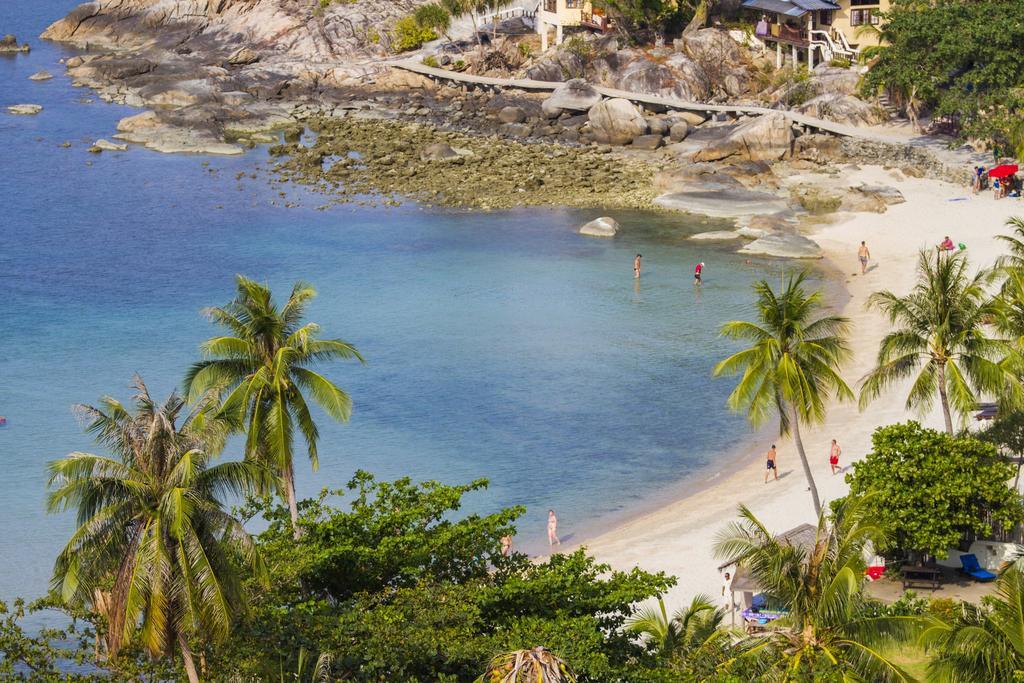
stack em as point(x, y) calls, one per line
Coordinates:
point(934, 488)
point(398, 585)
point(961, 59)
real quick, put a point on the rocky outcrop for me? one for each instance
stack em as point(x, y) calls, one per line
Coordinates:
point(843, 109)
point(616, 122)
point(765, 138)
point(24, 109)
point(600, 227)
point(9, 45)
point(43, 75)
point(784, 246)
point(107, 146)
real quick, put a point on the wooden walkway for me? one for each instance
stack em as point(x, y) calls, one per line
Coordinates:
point(650, 101)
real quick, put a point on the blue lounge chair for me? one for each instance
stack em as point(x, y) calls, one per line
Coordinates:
point(973, 569)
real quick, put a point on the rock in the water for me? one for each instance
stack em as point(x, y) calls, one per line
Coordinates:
point(43, 75)
point(438, 151)
point(783, 246)
point(679, 131)
point(716, 236)
point(512, 115)
point(616, 122)
point(107, 146)
point(600, 227)
point(24, 109)
point(648, 142)
point(243, 56)
point(9, 44)
point(765, 138)
point(574, 95)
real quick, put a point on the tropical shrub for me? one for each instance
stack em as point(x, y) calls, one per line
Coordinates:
point(399, 587)
point(934, 488)
point(409, 34)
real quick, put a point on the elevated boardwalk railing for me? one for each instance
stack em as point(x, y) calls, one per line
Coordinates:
point(650, 101)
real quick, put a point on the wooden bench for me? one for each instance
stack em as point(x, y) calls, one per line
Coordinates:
point(927, 576)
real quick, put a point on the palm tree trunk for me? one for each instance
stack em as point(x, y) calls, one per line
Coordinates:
point(945, 399)
point(186, 656)
point(795, 421)
point(293, 506)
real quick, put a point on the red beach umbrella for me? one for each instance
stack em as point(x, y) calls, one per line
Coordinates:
point(1004, 171)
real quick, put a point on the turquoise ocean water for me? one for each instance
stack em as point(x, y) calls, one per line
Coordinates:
point(500, 345)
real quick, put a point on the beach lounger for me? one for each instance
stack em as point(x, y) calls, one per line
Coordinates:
point(972, 568)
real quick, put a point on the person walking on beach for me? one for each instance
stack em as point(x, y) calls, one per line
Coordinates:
point(727, 592)
point(506, 546)
point(833, 456)
point(636, 266)
point(697, 273)
point(772, 464)
point(553, 529)
point(864, 254)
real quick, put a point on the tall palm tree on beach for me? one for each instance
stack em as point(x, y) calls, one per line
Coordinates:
point(830, 630)
point(263, 370)
point(939, 334)
point(152, 522)
point(792, 366)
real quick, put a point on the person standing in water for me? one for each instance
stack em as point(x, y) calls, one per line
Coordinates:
point(697, 273)
point(772, 465)
point(833, 456)
point(553, 529)
point(636, 266)
point(864, 255)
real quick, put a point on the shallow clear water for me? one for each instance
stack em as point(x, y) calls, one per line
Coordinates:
point(499, 345)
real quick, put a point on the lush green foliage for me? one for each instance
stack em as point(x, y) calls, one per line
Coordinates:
point(832, 631)
point(641, 18)
point(791, 368)
point(262, 371)
point(692, 642)
point(399, 589)
point(940, 335)
point(961, 59)
point(155, 552)
point(934, 488)
point(982, 643)
point(409, 34)
point(433, 16)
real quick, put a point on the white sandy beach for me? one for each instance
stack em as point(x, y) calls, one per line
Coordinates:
point(677, 538)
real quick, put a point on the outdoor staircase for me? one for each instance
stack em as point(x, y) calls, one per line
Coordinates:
point(888, 106)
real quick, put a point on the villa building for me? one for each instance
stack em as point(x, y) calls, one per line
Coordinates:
point(817, 30)
point(558, 15)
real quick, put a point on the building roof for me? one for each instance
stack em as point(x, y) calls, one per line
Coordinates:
point(790, 8)
point(803, 536)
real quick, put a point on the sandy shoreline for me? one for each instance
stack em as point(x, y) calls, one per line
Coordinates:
point(677, 537)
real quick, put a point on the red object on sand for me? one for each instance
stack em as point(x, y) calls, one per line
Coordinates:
point(1004, 171)
point(875, 573)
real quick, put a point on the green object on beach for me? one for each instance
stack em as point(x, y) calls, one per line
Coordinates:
point(962, 246)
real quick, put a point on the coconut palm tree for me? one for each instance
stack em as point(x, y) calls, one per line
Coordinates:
point(830, 629)
point(1014, 261)
point(981, 643)
point(791, 367)
point(939, 334)
point(152, 524)
point(692, 636)
point(538, 665)
point(263, 371)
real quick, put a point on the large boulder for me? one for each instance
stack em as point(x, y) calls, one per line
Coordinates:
point(783, 246)
point(679, 131)
point(511, 114)
point(819, 148)
point(243, 56)
point(575, 95)
point(709, 43)
point(765, 138)
point(600, 227)
point(616, 121)
point(562, 66)
point(835, 80)
point(648, 142)
point(845, 109)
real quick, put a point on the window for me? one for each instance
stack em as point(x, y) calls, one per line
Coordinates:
point(861, 3)
point(860, 17)
point(550, 5)
point(573, 4)
point(825, 17)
